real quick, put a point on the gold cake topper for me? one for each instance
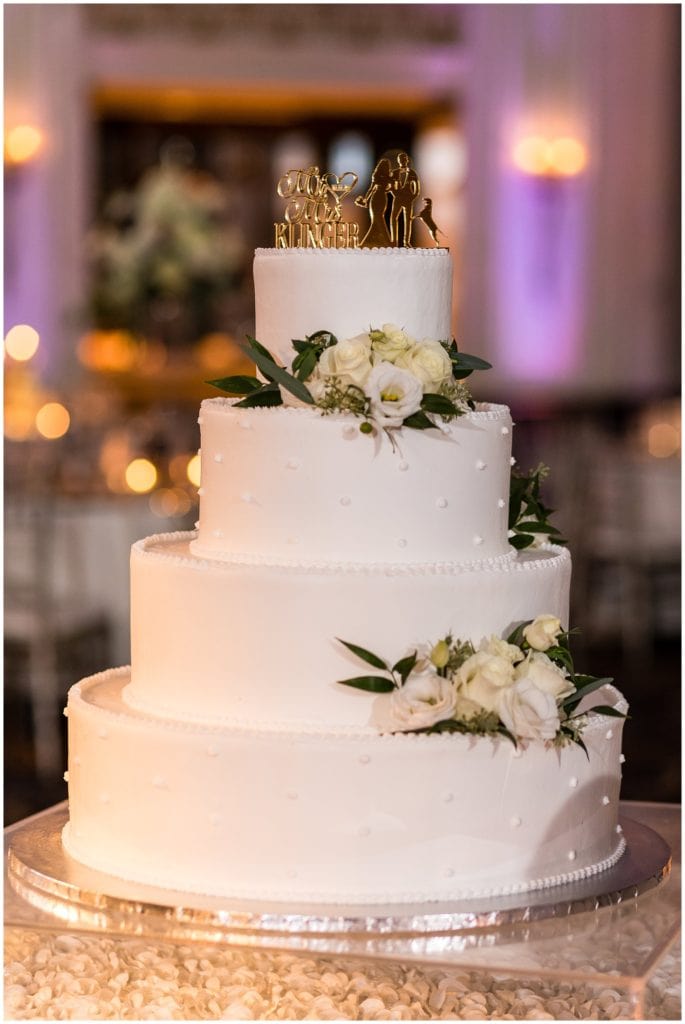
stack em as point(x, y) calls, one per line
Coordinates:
point(314, 213)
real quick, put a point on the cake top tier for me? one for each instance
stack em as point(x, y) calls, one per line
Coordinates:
point(347, 291)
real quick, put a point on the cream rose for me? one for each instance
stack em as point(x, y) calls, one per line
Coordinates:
point(425, 699)
point(494, 645)
point(543, 673)
point(479, 682)
point(528, 712)
point(542, 632)
point(429, 362)
point(389, 343)
point(350, 360)
point(394, 393)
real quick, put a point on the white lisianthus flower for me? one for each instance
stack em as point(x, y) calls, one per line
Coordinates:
point(394, 393)
point(389, 343)
point(425, 698)
point(349, 360)
point(542, 632)
point(528, 712)
point(479, 682)
point(494, 645)
point(429, 362)
point(543, 673)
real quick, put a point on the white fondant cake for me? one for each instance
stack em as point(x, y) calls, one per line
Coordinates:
point(231, 730)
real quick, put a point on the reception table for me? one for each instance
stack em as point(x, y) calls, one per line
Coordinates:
point(618, 959)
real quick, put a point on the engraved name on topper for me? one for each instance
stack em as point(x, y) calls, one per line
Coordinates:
point(313, 214)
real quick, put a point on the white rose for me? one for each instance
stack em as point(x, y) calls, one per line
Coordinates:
point(543, 673)
point(350, 360)
point(494, 645)
point(425, 699)
point(543, 632)
point(428, 361)
point(479, 682)
point(528, 712)
point(389, 343)
point(394, 393)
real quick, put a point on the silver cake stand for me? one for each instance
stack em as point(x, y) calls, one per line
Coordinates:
point(43, 879)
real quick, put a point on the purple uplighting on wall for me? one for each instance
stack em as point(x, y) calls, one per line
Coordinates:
point(540, 290)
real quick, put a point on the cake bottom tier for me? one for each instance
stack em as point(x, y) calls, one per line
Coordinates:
point(350, 817)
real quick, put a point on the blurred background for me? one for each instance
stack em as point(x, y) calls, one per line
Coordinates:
point(143, 143)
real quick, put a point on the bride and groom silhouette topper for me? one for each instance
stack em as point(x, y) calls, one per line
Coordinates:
point(314, 212)
point(389, 201)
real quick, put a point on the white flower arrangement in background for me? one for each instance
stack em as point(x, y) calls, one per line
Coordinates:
point(523, 687)
point(383, 376)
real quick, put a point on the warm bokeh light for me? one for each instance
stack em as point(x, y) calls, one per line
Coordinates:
point(663, 440)
point(168, 502)
point(22, 143)
point(140, 476)
point(21, 342)
point(216, 352)
point(563, 157)
point(193, 470)
point(20, 422)
point(567, 156)
point(530, 155)
point(52, 420)
point(108, 351)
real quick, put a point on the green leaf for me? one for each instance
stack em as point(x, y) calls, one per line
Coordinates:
point(276, 373)
point(606, 709)
point(573, 699)
point(531, 527)
point(510, 736)
point(256, 346)
point(521, 540)
point(465, 361)
point(368, 656)
point(240, 385)
point(516, 635)
point(372, 684)
point(577, 739)
point(438, 404)
point(268, 396)
point(305, 364)
point(418, 421)
point(405, 666)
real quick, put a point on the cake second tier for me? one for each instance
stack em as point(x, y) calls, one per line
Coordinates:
point(294, 486)
point(256, 644)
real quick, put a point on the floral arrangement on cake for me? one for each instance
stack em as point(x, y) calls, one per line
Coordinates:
point(383, 376)
point(524, 687)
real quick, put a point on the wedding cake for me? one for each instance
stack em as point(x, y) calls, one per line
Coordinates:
point(347, 518)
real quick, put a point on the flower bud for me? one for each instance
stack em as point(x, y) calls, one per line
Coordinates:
point(440, 654)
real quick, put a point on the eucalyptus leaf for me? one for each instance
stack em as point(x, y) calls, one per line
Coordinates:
point(606, 709)
point(521, 540)
point(267, 397)
point(438, 404)
point(418, 421)
point(277, 374)
point(368, 656)
point(405, 666)
point(239, 385)
point(372, 684)
point(575, 698)
point(465, 361)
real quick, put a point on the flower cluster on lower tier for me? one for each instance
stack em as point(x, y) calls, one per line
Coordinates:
point(523, 687)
